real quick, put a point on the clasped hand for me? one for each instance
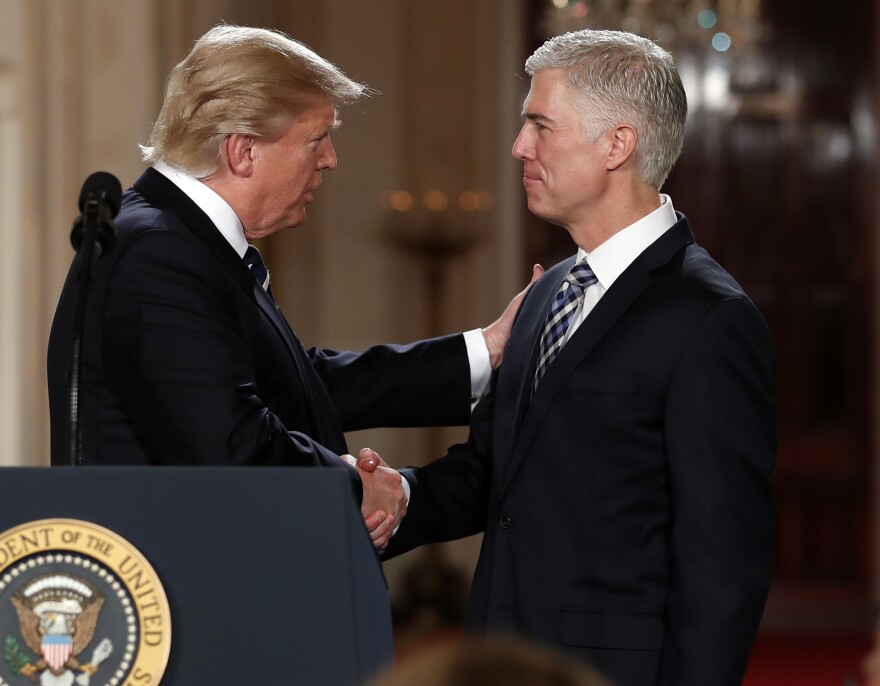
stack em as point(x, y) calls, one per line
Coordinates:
point(384, 501)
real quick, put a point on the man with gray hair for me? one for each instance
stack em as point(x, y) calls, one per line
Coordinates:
point(620, 466)
point(188, 360)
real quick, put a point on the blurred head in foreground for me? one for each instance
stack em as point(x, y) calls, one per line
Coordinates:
point(493, 661)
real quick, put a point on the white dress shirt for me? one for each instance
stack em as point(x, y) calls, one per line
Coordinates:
point(611, 258)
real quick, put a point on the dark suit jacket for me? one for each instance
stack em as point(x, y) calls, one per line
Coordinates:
point(188, 361)
point(626, 506)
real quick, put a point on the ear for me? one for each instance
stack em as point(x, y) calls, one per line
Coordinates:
point(624, 139)
point(237, 151)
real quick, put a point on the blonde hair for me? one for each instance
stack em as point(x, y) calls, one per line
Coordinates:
point(238, 79)
point(621, 78)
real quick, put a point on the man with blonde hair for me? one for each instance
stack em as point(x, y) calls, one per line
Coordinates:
point(188, 360)
point(620, 466)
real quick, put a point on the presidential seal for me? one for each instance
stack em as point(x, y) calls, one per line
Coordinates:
point(79, 605)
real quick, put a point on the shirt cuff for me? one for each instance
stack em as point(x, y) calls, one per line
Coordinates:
point(481, 367)
point(407, 489)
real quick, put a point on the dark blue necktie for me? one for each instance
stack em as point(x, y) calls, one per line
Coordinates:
point(558, 320)
point(255, 263)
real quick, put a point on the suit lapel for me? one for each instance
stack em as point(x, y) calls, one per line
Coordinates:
point(513, 388)
point(160, 192)
point(527, 413)
point(163, 194)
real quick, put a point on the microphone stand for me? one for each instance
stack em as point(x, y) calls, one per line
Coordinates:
point(88, 250)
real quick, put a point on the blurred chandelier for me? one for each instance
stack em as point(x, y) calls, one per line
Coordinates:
point(675, 24)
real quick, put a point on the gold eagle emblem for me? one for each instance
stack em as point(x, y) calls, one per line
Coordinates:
point(57, 616)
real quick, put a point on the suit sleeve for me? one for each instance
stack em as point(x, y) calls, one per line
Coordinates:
point(421, 384)
point(174, 356)
point(450, 495)
point(721, 447)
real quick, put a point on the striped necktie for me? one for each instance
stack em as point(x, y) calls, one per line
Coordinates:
point(255, 263)
point(567, 300)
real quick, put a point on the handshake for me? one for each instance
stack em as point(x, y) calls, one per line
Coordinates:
point(384, 502)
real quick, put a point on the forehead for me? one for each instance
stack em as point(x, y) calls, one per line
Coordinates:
point(549, 95)
point(312, 115)
point(317, 111)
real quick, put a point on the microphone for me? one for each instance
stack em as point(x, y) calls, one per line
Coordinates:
point(99, 202)
point(92, 235)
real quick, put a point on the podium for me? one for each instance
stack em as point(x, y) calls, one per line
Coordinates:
point(269, 573)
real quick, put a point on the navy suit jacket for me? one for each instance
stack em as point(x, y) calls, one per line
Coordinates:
point(626, 505)
point(187, 360)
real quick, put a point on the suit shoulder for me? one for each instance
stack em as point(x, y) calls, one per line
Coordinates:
point(138, 216)
point(693, 284)
point(701, 274)
point(160, 234)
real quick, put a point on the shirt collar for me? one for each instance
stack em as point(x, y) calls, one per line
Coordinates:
point(209, 202)
point(611, 258)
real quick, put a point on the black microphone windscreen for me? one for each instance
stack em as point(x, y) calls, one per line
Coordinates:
point(105, 186)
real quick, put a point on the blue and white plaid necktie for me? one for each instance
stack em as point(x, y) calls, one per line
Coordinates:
point(558, 320)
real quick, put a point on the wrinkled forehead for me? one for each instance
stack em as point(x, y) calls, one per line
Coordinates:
point(315, 112)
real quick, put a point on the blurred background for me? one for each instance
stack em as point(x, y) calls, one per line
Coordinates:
point(423, 230)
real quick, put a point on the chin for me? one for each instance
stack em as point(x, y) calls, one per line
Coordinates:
point(545, 215)
point(297, 218)
point(536, 209)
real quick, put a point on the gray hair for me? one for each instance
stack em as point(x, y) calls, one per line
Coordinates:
point(243, 80)
point(621, 78)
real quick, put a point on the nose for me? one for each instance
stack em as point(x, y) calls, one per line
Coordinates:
point(522, 146)
point(327, 159)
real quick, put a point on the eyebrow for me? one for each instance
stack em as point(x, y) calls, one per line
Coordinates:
point(538, 118)
point(335, 124)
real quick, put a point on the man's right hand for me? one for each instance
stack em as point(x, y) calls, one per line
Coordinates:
point(384, 501)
